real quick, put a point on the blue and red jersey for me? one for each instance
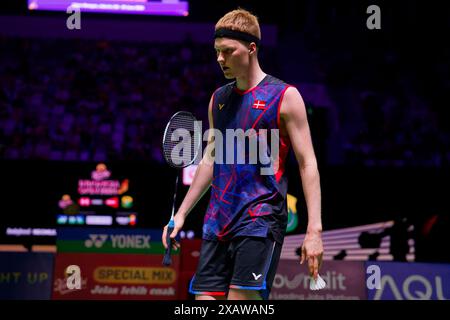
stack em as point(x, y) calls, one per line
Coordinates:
point(243, 201)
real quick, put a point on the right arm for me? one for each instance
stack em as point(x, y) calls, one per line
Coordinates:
point(200, 184)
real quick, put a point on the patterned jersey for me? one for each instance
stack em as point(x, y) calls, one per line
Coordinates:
point(245, 202)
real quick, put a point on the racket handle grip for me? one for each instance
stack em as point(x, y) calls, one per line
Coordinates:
point(167, 261)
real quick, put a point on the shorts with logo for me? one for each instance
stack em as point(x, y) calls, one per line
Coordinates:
point(247, 263)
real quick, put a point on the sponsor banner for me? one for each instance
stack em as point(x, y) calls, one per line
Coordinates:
point(408, 281)
point(116, 277)
point(99, 240)
point(26, 275)
point(190, 254)
point(345, 281)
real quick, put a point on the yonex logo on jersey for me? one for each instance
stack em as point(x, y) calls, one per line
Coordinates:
point(221, 105)
point(259, 104)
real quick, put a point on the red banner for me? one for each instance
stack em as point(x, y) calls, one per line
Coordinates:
point(116, 276)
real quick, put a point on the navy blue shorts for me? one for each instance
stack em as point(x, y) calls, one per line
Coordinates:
point(248, 263)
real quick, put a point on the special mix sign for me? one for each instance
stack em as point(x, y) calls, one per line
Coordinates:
point(117, 276)
point(114, 264)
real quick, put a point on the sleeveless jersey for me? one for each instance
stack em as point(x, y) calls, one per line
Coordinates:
point(245, 202)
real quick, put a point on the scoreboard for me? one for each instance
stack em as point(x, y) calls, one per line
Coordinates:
point(100, 199)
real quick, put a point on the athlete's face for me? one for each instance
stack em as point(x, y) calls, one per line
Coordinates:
point(233, 57)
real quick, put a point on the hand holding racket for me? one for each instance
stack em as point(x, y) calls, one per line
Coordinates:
point(181, 145)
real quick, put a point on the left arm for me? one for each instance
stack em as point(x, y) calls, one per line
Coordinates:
point(295, 125)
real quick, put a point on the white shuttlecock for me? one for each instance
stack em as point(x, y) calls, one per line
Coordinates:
point(317, 285)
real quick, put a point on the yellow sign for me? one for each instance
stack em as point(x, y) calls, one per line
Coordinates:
point(134, 275)
point(292, 213)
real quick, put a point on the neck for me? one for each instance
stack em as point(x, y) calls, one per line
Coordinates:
point(251, 78)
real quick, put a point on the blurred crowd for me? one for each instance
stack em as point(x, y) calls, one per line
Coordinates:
point(96, 101)
point(389, 94)
point(87, 100)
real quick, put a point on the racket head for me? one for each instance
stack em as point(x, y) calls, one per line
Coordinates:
point(181, 140)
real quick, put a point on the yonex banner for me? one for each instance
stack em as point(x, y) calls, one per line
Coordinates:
point(96, 240)
point(408, 281)
point(26, 275)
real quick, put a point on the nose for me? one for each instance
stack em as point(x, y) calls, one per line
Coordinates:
point(220, 59)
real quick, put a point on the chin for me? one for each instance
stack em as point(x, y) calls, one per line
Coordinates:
point(229, 76)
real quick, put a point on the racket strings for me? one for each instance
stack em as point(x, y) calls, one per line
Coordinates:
point(181, 143)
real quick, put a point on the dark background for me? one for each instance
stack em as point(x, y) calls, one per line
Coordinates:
point(325, 42)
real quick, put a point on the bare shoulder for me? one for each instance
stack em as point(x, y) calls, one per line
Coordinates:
point(292, 104)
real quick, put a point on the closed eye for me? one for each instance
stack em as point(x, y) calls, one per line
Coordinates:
point(224, 51)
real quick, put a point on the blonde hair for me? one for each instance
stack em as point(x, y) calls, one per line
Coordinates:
point(240, 20)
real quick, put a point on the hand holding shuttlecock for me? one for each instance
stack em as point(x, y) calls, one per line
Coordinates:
point(314, 263)
point(317, 284)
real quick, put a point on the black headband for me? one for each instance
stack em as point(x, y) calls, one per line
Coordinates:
point(238, 35)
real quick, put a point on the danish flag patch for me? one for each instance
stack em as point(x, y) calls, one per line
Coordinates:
point(259, 104)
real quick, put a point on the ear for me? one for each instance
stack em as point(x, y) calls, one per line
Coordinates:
point(252, 48)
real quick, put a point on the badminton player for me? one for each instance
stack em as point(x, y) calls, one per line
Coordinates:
point(246, 219)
